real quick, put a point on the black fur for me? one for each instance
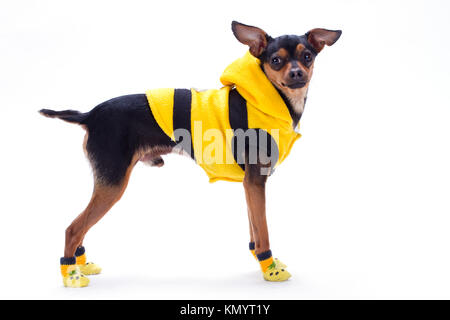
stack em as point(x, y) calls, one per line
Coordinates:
point(117, 128)
point(66, 115)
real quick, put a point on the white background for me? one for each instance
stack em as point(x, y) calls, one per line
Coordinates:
point(360, 209)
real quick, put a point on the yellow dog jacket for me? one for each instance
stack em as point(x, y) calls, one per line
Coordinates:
point(248, 100)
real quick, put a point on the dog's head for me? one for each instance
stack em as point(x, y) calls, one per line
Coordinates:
point(288, 60)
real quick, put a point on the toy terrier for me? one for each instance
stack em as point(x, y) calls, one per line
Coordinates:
point(240, 132)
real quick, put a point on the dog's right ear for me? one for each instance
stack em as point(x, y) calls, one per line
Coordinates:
point(254, 37)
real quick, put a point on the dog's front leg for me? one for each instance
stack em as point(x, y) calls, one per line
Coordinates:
point(255, 194)
point(255, 185)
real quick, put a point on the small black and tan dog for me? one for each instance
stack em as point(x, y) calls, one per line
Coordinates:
point(264, 92)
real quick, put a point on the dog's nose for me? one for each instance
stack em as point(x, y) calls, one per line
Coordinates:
point(295, 73)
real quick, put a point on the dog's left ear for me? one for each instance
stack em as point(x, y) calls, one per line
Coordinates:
point(318, 38)
point(254, 37)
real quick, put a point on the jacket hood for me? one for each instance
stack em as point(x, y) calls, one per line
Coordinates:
point(253, 85)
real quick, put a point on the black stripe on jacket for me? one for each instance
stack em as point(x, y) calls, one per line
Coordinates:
point(182, 99)
point(238, 116)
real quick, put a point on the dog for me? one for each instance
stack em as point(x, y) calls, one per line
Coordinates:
point(253, 121)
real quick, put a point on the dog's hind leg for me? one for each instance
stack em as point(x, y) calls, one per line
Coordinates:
point(103, 198)
point(119, 131)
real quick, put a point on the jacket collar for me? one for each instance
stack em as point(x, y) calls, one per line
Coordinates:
point(253, 85)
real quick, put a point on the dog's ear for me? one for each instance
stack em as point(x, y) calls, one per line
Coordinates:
point(318, 38)
point(254, 37)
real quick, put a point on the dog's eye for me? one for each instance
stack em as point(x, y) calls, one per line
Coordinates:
point(276, 60)
point(307, 56)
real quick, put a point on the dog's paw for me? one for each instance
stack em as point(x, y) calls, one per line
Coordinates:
point(276, 274)
point(90, 268)
point(75, 279)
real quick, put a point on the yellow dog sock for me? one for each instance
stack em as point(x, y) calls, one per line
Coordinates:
point(87, 268)
point(271, 272)
point(72, 276)
point(80, 255)
point(266, 261)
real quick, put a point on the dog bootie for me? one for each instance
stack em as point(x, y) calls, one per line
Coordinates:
point(90, 268)
point(72, 276)
point(278, 263)
point(272, 272)
point(87, 268)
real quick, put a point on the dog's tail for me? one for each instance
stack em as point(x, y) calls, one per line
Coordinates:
point(66, 115)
